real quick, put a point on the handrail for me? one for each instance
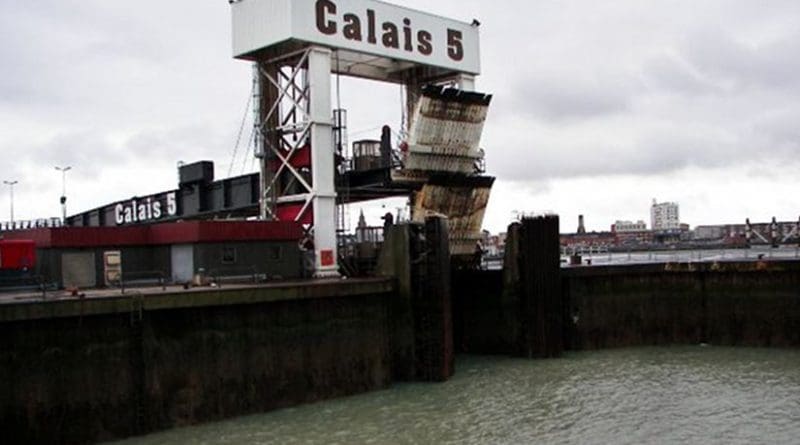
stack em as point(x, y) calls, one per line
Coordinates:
point(39, 283)
point(126, 278)
point(224, 272)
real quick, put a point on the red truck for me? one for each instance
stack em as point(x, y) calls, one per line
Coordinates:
point(17, 255)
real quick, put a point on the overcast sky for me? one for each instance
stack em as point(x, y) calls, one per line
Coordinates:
point(599, 106)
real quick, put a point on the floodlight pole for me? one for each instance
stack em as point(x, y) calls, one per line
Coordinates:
point(10, 185)
point(64, 171)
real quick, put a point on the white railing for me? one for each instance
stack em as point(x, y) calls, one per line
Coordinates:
point(9, 226)
point(596, 257)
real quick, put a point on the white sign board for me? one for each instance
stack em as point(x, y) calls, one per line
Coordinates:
point(363, 26)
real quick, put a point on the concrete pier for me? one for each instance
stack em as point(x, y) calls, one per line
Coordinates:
point(421, 338)
point(107, 365)
point(82, 371)
point(728, 304)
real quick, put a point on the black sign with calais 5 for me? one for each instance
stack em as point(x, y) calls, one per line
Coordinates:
point(139, 210)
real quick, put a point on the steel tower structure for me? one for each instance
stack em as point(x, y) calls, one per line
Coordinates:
point(295, 46)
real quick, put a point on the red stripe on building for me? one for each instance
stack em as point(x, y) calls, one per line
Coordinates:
point(187, 232)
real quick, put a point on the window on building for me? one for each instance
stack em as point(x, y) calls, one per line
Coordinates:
point(275, 253)
point(228, 255)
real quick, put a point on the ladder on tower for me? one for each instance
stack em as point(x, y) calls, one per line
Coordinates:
point(343, 235)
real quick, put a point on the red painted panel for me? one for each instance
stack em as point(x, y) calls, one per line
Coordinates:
point(41, 237)
point(326, 258)
point(99, 236)
point(83, 236)
point(175, 233)
point(222, 231)
point(185, 232)
point(244, 231)
point(300, 159)
point(289, 212)
point(17, 254)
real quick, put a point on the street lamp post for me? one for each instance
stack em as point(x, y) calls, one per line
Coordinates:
point(64, 171)
point(10, 185)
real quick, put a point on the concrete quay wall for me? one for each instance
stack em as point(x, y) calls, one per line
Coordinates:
point(731, 304)
point(83, 371)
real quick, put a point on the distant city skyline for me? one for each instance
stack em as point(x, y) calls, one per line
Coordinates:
point(641, 225)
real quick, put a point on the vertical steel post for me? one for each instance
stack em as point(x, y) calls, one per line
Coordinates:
point(64, 171)
point(466, 82)
point(259, 150)
point(10, 185)
point(322, 163)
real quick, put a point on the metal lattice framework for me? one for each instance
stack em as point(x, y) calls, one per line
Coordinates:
point(292, 43)
point(290, 109)
point(294, 140)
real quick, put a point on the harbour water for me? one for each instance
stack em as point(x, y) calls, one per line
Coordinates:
point(690, 394)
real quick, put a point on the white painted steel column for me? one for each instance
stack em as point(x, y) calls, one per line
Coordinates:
point(466, 82)
point(322, 163)
point(258, 141)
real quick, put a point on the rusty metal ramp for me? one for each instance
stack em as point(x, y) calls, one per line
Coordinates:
point(443, 156)
point(445, 131)
point(463, 200)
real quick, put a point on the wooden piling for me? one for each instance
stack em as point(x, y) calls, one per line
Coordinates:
point(541, 309)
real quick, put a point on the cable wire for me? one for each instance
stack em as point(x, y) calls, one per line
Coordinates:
point(241, 130)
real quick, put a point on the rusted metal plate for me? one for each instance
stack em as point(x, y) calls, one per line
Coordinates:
point(464, 205)
point(446, 129)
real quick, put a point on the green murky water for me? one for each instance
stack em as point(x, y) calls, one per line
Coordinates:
point(628, 396)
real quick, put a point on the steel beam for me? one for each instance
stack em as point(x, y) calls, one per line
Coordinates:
point(322, 162)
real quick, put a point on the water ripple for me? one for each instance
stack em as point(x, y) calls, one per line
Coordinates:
point(629, 396)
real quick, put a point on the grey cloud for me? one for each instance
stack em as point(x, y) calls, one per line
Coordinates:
point(69, 54)
point(82, 150)
point(187, 143)
point(669, 73)
point(10, 172)
point(663, 149)
point(707, 90)
point(569, 98)
point(90, 150)
point(772, 65)
point(781, 132)
point(672, 149)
